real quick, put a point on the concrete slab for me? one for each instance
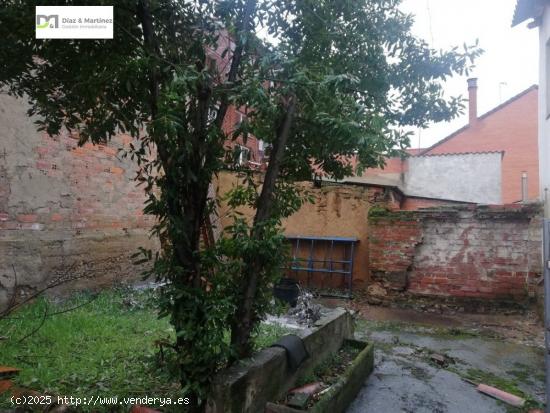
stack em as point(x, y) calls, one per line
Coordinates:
point(404, 379)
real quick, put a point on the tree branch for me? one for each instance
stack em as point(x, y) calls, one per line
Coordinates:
point(57, 282)
point(246, 21)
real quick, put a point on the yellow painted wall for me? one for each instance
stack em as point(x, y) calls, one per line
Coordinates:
point(338, 211)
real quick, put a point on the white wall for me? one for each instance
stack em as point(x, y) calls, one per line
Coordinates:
point(472, 177)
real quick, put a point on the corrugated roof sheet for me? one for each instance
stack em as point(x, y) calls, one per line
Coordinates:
point(528, 9)
point(525, 9)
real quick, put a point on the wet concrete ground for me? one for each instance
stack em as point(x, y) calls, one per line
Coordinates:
point(406, 379)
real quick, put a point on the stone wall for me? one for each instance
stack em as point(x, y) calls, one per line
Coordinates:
point(64, 209)
point(464, 252)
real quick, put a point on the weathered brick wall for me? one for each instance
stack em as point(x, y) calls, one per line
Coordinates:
point(473, 252)
point(64, 208)
point(392, 242)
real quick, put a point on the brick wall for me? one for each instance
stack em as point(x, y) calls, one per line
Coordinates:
point(512, 129)
point(230, 123)
point(472, 252)
point(64, 208)
point(69, 209)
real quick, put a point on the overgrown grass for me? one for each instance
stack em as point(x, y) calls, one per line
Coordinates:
point(331, 369)
point(268, 334)
point(105, 347)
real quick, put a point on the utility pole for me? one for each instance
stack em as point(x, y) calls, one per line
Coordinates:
point(543, 23)
point(539, 12)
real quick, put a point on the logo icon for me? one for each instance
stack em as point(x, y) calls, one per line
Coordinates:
point(47, 22)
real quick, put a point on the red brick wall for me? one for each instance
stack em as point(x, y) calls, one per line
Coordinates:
point(252, 143)
point(394, 166)
point(392, 243)
point(462, 252)
point(96, 187)
point(65, 209)
point(512, 129)
point(222, 61)
point(65, 206)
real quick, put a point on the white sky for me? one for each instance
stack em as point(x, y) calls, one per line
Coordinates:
point(511, 54)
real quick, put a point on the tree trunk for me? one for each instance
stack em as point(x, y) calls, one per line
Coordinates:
point(189, 205)
point(187, 201)
point(245, 317)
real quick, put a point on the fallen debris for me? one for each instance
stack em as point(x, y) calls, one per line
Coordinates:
point(7, 372)
point(470, 381)
point(318, 395)
point(438, 359)
point(310, 388)
point(299, 397)
point(501, 395)
point(298, 400)
point(5, 385)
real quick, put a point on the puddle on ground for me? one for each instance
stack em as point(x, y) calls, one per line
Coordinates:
point(405, 380)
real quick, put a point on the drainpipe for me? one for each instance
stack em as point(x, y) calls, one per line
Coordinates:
point(524, 193)
point(472, 101)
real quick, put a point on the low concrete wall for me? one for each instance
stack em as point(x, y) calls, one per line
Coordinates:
point(249, 385)
point(340, 394)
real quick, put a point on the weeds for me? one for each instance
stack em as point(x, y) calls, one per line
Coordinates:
point(95, 344)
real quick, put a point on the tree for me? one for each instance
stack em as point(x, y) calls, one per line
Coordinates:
point(152, 81)
point(340, 79)
point(346, 78)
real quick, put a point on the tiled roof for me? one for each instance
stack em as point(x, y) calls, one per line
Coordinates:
point(415, 151)
point(457, 153)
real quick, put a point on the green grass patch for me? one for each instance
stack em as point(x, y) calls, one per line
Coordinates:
point(105, 347)
point(452, 333)
point(330, 370)
point(268, 334)
point(523, 373)
point(481, 376)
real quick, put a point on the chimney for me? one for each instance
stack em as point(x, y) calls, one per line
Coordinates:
point(472, 100)
point(524, 193)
